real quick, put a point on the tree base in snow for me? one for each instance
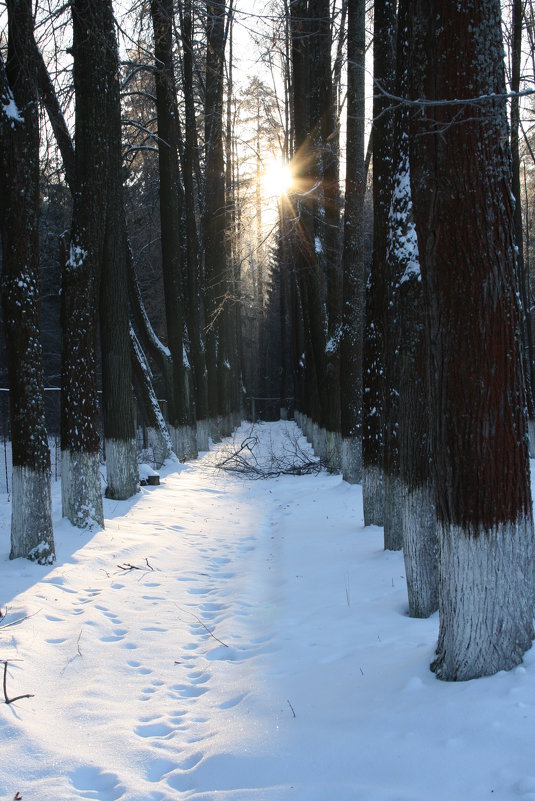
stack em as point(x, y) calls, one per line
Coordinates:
point(81, 494)
point(203, 435)
point(32, 534)
point(160, 445)
point(420, 548)
point(184, 441)
point(352, 460)
point(373, 496)
point(215, 429)
point(121, 469)
point(319, 442)
point(333, 441)
point(486, 599)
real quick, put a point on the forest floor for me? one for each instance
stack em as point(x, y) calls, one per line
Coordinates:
point(227, 639)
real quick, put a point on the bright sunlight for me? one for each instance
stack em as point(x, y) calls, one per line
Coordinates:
point(277, 178)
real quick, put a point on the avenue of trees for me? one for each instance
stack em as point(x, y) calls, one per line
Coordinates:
point(384, 297)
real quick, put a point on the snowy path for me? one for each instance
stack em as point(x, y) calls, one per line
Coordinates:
point(260, 652)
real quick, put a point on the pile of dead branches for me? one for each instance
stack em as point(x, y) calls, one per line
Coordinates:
point(293, 460)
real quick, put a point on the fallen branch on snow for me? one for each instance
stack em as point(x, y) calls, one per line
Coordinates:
point(292, 461)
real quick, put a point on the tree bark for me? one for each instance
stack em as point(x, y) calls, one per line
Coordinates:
point(118, 402)
point(194, 315)
point(376, 293)
point(80, 440)
point(523, 279)
point(216, 275)
point(353, 250)
point(461, 182)
point(181, 413)
point(31, 515)
point(157, 434)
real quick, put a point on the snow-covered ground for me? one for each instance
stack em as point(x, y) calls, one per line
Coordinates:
point(237, 640)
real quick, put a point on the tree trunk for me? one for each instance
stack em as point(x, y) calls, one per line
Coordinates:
point(461, 179)
point(523, 279)
point(118, 403)
point(324, 132)
point(80, 440)
point(157, 434)
point(181, 414)
point(192, 234)
point(216, 276)
point(353, 251)
point(377, 294)
point(31, 514)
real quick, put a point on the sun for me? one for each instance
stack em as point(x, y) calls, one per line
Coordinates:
point(277, 178)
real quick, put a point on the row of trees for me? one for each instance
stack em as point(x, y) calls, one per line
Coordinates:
point(414, 374)
point(101, 302)
point(409, 372)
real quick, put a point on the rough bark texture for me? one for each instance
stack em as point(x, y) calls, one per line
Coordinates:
point(376, 294)
point(461, 181)
point(157, 434)
point(324, 135)
point(31, 521)
point(353, 251)
point(214, 216)
point(180, 412)
point(311, 334)
point(80, 440)
point(118, 400)
point(192, 238)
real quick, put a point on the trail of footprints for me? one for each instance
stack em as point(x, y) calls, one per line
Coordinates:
point(172, 725)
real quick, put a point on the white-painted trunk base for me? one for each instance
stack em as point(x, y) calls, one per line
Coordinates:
point(122, 471)
point(81, 493)
point(486, 599)
point(393, 498)
point(236, 417)
point(333, 443)
point(352, 459)
point(373, 496)
point(319, 442)
point(160, 445)
point(215, 430)
point(531, 438)
point(420, 550)
point(225, 425)
point(203, 435)
point(283, 413)
point(32, 535)
point(184, 439)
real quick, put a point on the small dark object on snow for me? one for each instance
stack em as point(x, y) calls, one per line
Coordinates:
point(153, 481)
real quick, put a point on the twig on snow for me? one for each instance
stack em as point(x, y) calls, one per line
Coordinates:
point(7, 699)
point(211, 633)
point(19, 620)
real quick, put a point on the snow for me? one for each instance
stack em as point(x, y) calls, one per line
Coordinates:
point(224, 639)
point(10, 108)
